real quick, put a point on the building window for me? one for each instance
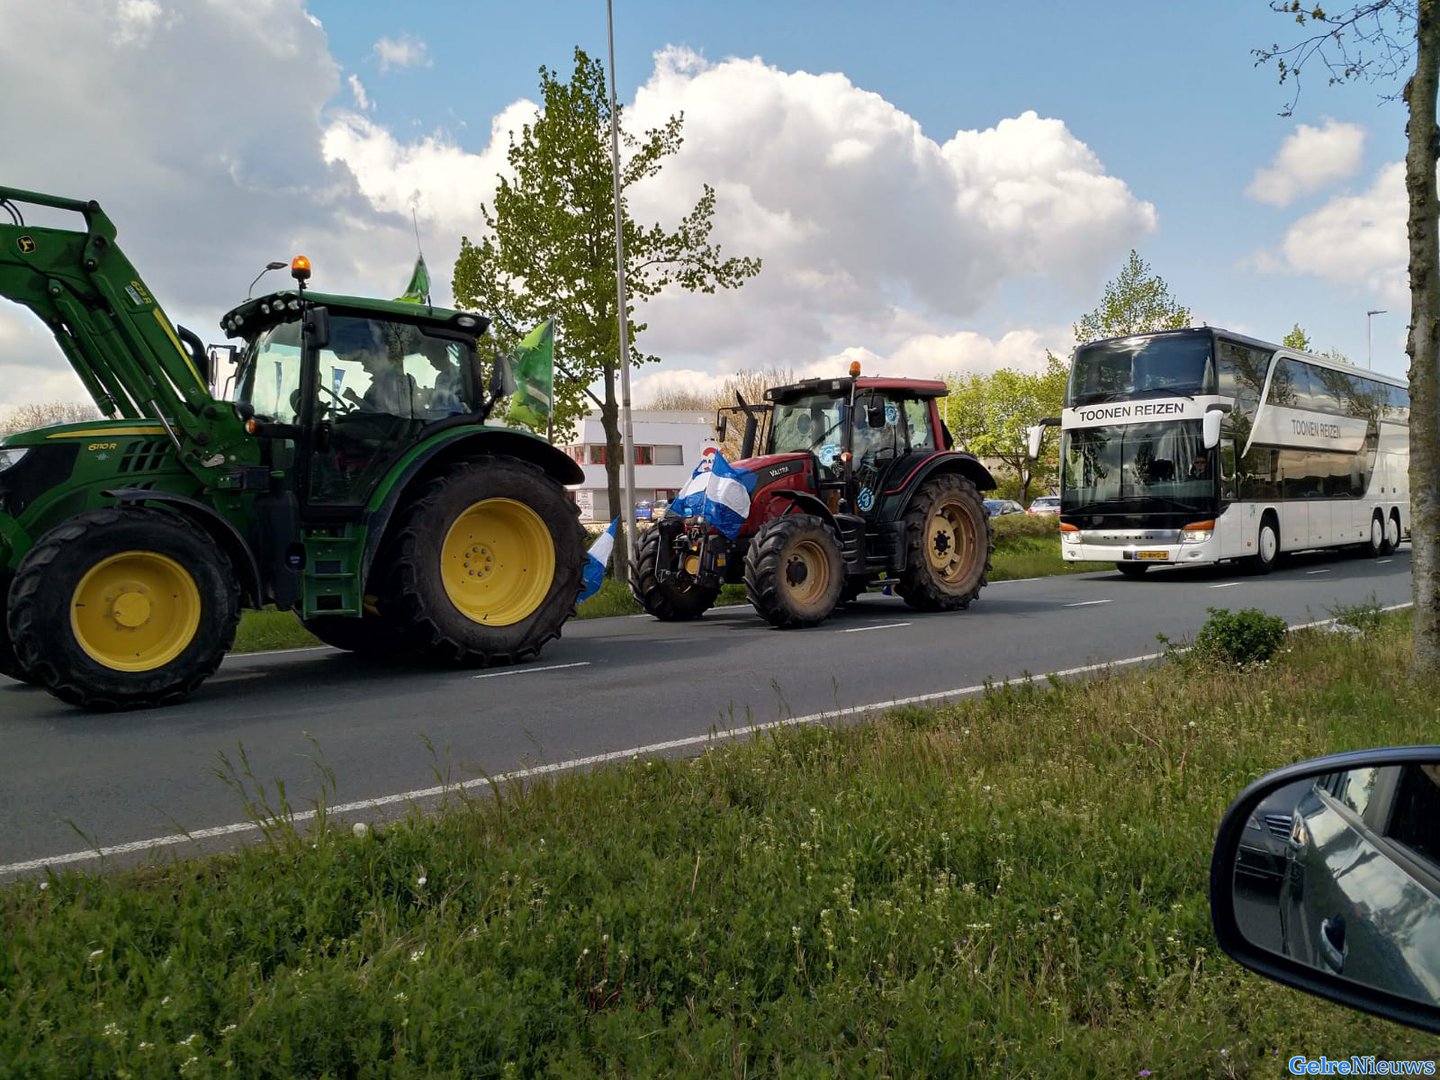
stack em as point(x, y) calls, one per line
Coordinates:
point(644, 455)
point(669, 455)
point(596, 453)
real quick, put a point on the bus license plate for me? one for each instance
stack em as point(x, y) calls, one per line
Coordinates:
point(1153, 556)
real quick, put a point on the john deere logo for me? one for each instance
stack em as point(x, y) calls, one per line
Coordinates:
point(27, 245)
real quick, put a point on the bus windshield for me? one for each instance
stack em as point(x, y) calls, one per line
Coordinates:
point(1111, 370)
point(1121, 465)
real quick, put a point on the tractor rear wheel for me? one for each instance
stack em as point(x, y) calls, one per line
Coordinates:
point(948, 536)
point(485, 565)
point(667, 601)
point(9, 663)
point(123, 608)
point(794, 571)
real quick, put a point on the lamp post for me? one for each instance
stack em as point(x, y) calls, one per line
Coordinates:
point(627, 431)
point(1368, 314)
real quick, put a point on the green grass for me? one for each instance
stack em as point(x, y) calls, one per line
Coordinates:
point(1025, 547)
point(1009, 886)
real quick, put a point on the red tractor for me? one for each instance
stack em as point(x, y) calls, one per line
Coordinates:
point(857, 487)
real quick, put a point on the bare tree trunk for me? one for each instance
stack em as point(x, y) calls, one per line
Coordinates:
point(1423, 344)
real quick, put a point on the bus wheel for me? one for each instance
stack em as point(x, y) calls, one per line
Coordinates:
point(1392, 532)
point(1378, 545)
point(1267, 548)
point(1132, 569)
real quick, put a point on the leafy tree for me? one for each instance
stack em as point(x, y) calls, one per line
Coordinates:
point(989, 414)
point(1136, 302)
point(1296, 339)
point(1382, 40)
point(549, 248)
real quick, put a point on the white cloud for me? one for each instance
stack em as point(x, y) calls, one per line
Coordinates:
point(357, 91)
point(870, 231)
point(1309, 160)
point(1353, 240)
point(406, 51)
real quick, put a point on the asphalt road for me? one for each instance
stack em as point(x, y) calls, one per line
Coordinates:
point(71, 781)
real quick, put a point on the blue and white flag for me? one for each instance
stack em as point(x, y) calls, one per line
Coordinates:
point(718, 492)
point(595, 562)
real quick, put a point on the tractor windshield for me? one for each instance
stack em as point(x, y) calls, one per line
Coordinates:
point(270, 374)
point(810, 423)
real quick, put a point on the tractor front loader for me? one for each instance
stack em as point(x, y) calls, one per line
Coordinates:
point(349, 477)
point(858, 487)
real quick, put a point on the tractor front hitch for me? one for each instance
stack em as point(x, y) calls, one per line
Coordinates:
point(692, 553)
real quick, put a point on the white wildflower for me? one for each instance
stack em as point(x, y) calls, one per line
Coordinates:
point(360, 829)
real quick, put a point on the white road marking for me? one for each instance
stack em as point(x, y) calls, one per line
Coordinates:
point(609, 757)
point(881, 626)
point(1088, 603)
point(1322, 570)
point(531, 670)
point(1225, 585)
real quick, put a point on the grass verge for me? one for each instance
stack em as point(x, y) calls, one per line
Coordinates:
point(1007, 886)
point(1025, 547)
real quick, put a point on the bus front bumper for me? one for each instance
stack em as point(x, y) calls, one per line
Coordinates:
point(1170, 551)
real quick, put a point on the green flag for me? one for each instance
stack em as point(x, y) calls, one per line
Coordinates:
point(418, 291)
point(530, 377)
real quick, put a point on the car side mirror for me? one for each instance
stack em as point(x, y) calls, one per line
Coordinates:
point(1326, 877)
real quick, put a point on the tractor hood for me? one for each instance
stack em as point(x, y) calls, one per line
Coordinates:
point(769, 468)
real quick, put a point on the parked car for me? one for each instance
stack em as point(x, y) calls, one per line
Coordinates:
point(1045, 504)
point(1356, 915)
point(997, 507)
point(644, 510)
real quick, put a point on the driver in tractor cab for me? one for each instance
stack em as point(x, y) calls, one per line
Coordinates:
point(391, 390)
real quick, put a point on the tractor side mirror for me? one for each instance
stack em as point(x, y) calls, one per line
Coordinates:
point(1322, 878)
point(875, 414)
point(316, 326)
point(747, 441)
point(1210, 425)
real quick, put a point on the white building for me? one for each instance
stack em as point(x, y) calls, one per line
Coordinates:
point(668, 445)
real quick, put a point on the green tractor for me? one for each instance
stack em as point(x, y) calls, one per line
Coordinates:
point(348, 475)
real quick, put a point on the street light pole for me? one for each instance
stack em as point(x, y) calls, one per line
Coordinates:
point(1368, 314)
point(627, 431)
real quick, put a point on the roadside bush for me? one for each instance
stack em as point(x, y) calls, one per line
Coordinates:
point(1240, 638)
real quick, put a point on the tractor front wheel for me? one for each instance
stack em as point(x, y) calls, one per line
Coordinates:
point(948, 536)
point(485, 565)
point(9, 663)
point(123, 608)
point(667, 601)
point(794, 571)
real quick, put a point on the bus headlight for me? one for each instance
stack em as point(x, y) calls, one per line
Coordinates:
point(1197, 532)
point(1069, 534)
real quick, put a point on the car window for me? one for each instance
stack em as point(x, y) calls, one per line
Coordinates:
point(1415, 815)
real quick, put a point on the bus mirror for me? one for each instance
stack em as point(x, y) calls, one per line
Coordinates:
point(1033, 435)
point(1210, 426)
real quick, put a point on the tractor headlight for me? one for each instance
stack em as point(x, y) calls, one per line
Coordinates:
point(10, 456)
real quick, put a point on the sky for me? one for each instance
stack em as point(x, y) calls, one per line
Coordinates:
point(933, 188)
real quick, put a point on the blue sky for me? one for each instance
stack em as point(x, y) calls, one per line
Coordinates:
point(933, 187)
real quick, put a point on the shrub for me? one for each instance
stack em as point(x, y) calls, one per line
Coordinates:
point(1240, 638)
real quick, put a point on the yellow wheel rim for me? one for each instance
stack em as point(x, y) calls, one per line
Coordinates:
point(951, 543)
point(135, 611)
point(497, 562)
point(807, 571)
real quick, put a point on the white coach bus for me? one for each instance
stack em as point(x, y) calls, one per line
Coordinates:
point(1195, 446)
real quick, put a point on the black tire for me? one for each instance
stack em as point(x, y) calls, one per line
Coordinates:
point(369, 635)
point(10, 665)
point(949, 541)
point(1392, 532)
point(794, 571)
point(125, 608)
point(666, 601)
point(1378, 545)
point(1267, 547)
point(1132, 569)
point(485, 565)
